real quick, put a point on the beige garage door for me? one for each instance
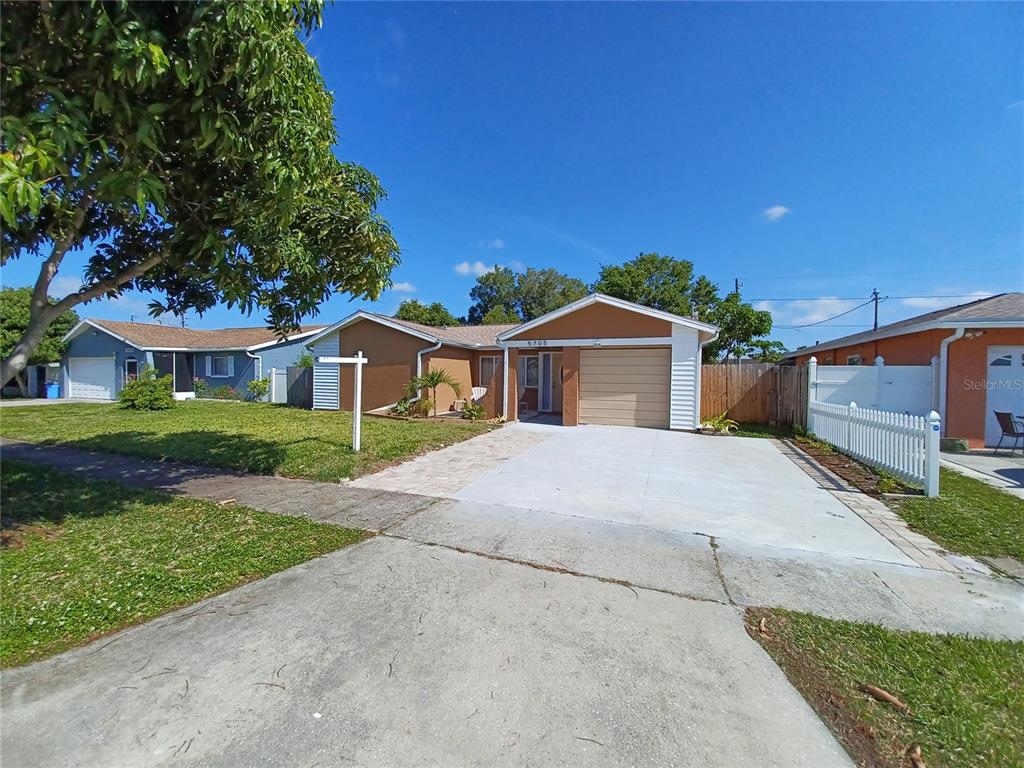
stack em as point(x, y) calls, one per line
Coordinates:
point(628, 387)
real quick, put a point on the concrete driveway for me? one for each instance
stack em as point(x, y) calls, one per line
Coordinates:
point(738, 489)
point(470, 632)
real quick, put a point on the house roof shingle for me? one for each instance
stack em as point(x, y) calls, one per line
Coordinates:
point(153, 335)
point(465, 335)
point(1002, 306)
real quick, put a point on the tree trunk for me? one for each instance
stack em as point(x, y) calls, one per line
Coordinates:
point(15, 363)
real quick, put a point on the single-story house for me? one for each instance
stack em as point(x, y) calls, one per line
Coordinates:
point(102, 354)
point(980, 351)
point(599, 360)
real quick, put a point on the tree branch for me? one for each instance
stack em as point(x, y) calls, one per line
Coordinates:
point(49, 268)
point(96, 290)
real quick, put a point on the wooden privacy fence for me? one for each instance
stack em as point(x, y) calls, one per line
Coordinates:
point(761, 393)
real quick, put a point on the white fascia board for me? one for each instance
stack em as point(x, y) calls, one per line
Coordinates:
point(364, 315)
point(600, 298)
point(289, 339)
point(636, 341)
point(870, 336)
point(84, 325)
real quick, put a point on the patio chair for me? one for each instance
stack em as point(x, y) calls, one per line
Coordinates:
point(1011, 427)
point(478, 394)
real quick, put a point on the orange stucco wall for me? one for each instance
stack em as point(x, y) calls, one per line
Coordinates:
point(392, 356)
point(966, 394)
point(966, 370)
point(513, 372)
point(459, 364)
point(492, 400)
point(599, 321)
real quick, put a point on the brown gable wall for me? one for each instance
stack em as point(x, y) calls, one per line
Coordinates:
point(459, 363)
point(599, 321)
point(908, 349)
point(392, 363)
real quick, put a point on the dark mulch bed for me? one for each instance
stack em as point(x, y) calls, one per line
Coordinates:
point(859, 475)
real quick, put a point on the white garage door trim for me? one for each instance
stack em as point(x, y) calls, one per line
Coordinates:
point(625, 386)
point(1004, 382)
point(91, 378)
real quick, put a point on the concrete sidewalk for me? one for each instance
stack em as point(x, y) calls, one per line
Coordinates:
point(367, 509)
point(1004, 471)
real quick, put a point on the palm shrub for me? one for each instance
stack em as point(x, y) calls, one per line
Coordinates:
point(147, 392)
point(432, 380)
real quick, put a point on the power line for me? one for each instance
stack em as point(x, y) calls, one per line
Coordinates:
point(990, 268)
point(827, 319)
point(858, 298)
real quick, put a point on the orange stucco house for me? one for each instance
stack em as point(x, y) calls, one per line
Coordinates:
point(599, 360)
point(980, 351)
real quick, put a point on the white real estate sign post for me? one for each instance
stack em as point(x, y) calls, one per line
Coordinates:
point(357, 395)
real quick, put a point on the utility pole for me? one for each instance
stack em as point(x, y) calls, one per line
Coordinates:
point(736, 284)
point(874, 298)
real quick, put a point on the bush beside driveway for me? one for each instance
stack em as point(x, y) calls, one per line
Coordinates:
point(252, 437)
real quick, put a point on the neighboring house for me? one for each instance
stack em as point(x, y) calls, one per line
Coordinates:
point(980, 352)
point(102, 354)
point(599, 360)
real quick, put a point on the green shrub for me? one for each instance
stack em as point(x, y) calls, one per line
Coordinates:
point(474, 411)
point(402, 407)
point(422, 407)
point(199, 387)
point(721, 423)
point(258, 388)
point(305, 360)
point(147, 392)
point(224, 392)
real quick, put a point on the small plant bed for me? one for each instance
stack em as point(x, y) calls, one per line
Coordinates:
point(886, 694)
point(81, 558)
point(253, 437)
point(861, 476)
point(771, 431)
point(969, 517)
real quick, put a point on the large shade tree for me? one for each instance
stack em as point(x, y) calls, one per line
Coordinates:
point(186, 148)
point(670, 284)
point(504, 296)
point(15, 304)
point(435, 314)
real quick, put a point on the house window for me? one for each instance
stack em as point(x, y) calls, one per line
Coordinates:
point(220, 367)
point(488, 367)
point(131, 369)
point(529, 371)
point(853, 360)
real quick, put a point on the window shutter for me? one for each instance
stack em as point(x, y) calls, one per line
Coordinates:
point(208, 364)
point(231, 365)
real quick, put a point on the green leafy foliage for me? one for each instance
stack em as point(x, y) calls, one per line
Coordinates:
point(14, 317)
point(474, 411)
point(402, 407)
point(225, 392)
point(504, 296)
point(82, 558)
point(258, 388)
point(435, 314)
point(148, 392)
point(199, 386)
point(304, 360)
point(431, 380)
point(192, 143)
point(669, 284)
point(721, 423)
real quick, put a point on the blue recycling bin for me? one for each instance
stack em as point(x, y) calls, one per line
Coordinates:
point(52, 390)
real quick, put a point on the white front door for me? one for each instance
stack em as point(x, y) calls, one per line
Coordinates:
point(91, 377)
point(1005, 387)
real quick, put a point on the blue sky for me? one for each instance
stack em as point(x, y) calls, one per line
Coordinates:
point(811, 150)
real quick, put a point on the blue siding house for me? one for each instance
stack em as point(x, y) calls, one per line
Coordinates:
point(102, 355)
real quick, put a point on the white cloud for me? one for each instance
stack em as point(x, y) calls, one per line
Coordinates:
point(775, 213)
point(938, 302)
point(62, 286)
point(403, 287)
point(804, 312)
point(496, 244)
point(476, 268)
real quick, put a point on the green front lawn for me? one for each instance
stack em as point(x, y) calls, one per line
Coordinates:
point(253, 437)
point(969, 517)
point(83, 558)
point(965, 695)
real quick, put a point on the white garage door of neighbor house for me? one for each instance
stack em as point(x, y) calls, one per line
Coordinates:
point(1005, 385)
point(91, 377)
point(626, 386)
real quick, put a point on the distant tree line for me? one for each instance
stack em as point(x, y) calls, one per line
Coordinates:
point(651, 279)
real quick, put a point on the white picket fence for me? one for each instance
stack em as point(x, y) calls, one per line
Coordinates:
point(903, 445)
